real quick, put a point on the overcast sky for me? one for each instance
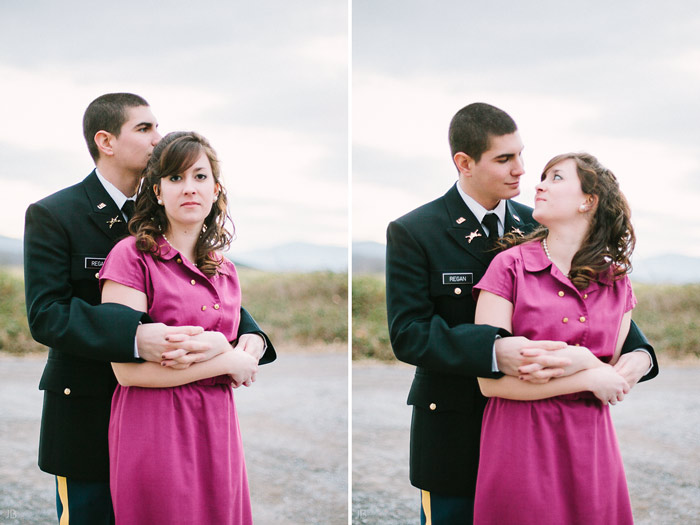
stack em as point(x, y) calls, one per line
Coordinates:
point(617, 79)
point(265, 81)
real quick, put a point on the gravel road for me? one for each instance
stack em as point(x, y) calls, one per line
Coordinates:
point(658, 428)
point(294, 426)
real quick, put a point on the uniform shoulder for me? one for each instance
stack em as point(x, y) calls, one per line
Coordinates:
point(67, 197)
point(430, 211)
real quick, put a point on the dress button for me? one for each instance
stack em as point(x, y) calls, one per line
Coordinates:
point(66, 391)
point(179, 261)
point(204, 307)
point(582, 319)
point(192, 282)
point(560, 294)
point(565, 320)
point(433, 406)
point(585, 296)
point(216, 307)
point(458, 291)
point(577, 344)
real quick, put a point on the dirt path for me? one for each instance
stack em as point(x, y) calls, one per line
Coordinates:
point(658, 427)
point(294, 426)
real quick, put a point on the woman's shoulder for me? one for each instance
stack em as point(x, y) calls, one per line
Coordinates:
point(125, 248)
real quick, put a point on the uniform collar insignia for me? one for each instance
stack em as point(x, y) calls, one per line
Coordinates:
point(517, 230)
point(473, 235)
point(460, 220)
point(516, 217)
point(113, 221)
point(101, 205)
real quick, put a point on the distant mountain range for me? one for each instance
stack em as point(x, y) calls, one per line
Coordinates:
point(369, 257)
point(295, 257)
point(292, 257)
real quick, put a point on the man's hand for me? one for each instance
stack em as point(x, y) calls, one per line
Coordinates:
point(606, 384)
point(253, 344)
point(243, 368)
point(154, 339)
point(632, 366)
point(195, 349)
point(541, 364)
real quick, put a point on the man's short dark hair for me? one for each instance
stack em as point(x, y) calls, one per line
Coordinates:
point(473, 126)
point(108, 113)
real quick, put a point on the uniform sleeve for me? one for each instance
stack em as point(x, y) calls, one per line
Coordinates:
point(125, 265)
point(56, 317)
point(499, 278)
point(419, 336)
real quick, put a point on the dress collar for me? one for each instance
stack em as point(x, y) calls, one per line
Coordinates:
point(168, 252)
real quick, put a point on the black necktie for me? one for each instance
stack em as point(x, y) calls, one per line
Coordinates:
point(128, 209)
point(490, 221)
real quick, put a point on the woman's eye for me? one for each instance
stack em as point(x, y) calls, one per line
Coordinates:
point(557, 177)
point(201, 176)
point(174, 178)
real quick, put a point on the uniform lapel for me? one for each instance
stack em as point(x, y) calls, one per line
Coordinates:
point(465, 229)
point(514, 223)
point(104, 212)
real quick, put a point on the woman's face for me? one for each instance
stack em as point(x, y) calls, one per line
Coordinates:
point(188, 196)
point(558, 196)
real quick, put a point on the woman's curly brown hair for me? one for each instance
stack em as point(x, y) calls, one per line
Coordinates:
point(174, 154)
point(610, 240)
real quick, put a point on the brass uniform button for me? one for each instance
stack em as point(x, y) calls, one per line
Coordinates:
point(216, 307)
point(204, 307)
point(565, 320)
point(66, 391)
point(192, 282)
point(433, 406)
point(458, 291)
point(582, 319)
point(560, 294)
point(97, 275)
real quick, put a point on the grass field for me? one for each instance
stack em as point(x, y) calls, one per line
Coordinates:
point(669, 315)
point(295, 308)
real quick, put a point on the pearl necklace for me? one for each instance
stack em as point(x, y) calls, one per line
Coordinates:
point(173, 247)
point(544, 245)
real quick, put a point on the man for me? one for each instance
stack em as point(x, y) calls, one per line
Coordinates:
point(67, 238)
point(435, 254)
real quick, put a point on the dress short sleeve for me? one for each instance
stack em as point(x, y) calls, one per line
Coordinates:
point(499, 278)
point(630, 298)
point(125, 265)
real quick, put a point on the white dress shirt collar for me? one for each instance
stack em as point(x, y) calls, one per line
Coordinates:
point(479, 211)
point(117, 196)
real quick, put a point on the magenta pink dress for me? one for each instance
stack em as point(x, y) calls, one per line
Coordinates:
point(553, 461)
point(176, 455)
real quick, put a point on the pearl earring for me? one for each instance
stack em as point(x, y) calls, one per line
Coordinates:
point(582, 208)
point(160, 202)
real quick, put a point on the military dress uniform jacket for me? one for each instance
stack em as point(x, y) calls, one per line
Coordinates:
point(435, 254)
point(67, 238)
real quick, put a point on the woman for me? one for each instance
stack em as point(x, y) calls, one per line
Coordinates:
point(549, 452)
point(175, 447)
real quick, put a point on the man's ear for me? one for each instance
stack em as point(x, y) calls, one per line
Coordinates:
point(103, 140)
point(464, 163)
